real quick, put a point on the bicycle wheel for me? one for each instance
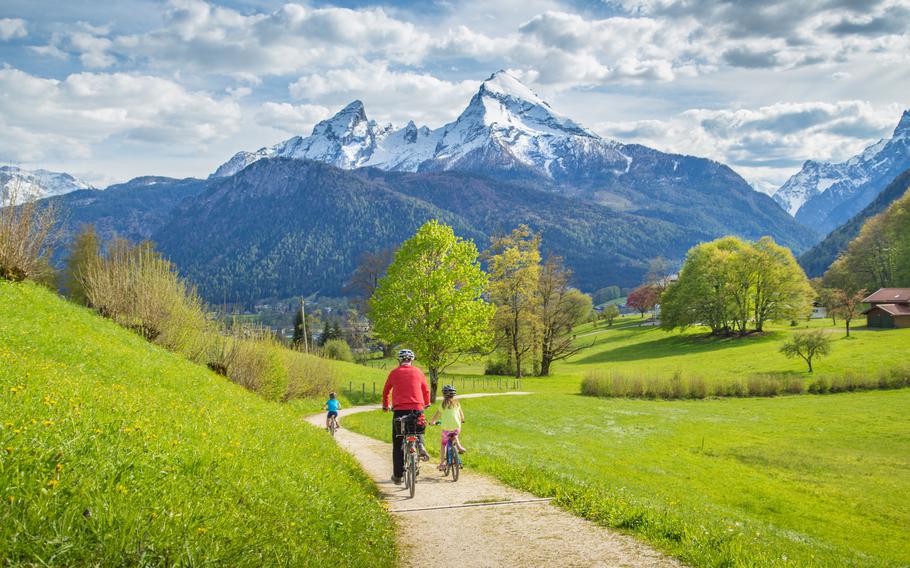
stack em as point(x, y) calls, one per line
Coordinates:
point(404, 460)
point(412, 471)
point(456, 462)
point(448, 461)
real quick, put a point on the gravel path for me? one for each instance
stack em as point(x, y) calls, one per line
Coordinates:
point(533, 533)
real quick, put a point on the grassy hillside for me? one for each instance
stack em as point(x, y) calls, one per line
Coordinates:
point(115, 451)
point(792, 481)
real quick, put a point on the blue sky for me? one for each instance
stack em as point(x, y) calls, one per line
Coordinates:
point(112, 90)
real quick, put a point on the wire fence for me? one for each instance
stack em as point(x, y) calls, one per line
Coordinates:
point(362, 392)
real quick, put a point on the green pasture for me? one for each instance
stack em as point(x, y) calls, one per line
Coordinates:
point(787, 481)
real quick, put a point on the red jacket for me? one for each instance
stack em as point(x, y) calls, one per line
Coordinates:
point(410, 389)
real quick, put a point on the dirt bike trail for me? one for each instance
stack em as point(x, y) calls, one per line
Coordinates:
point(524, 531)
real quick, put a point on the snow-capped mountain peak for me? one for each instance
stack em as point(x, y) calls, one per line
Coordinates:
point(505, 101)
point(903, 127)
point(505, 125)
point(824, 195)
point(36, 184)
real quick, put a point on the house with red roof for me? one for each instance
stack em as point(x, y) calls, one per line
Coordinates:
point(889, 308)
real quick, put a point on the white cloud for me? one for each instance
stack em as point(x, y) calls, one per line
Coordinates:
point(46, 118)
point(12, 28)
point(294, 119)
point(200, 36)
point(765, 144)
point(396, 96)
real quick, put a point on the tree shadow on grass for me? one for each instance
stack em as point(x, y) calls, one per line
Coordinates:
point(665, 345)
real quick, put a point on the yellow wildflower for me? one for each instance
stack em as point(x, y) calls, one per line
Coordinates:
point(48, 423)
point(53, 483)
point(201, 530)
point(121, 489)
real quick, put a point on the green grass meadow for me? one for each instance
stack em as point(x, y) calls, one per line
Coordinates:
point(803, 480)
point(116, 452)
point(787, 481)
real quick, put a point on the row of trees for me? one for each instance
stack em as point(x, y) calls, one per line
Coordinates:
point(536, 307)
point(436, 299)
point(729, 284)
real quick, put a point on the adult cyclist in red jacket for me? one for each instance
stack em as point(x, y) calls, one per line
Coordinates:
point(410, 394)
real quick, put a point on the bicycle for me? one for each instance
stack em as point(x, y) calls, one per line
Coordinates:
point(410, 448)
point(453, 459)
point(333, 426)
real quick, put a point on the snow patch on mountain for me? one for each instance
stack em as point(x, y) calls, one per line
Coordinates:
point(821, 194)
point(25, 185)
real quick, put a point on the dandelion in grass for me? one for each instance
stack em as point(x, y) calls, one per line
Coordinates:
point(121, 489)
point(53, 483)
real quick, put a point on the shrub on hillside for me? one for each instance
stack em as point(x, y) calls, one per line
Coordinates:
point(338, 349)
point(26, 239)
point(499, 366)
point(140, 290)
point(309, 376)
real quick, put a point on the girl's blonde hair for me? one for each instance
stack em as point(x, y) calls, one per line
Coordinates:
point(450, 402)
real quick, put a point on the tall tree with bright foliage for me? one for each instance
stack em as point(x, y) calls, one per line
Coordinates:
point(514, 265)
point(431, 299)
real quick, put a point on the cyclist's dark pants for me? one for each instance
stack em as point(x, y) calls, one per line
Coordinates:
point(397, 439)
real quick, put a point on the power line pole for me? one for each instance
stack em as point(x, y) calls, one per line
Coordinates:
point(306, 340)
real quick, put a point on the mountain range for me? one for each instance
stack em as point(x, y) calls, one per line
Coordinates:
point(294, 217)
point(816, 260)
point(36, 184)
point(825, 195)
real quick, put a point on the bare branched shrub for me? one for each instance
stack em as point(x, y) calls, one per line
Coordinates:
point(27, 235)
point(137, 288)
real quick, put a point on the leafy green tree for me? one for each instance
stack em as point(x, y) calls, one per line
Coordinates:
point(431, 299)
point(807, 345)
point(729, 283)
point(84, 250)
point(514, 265)
point(339, 350)
point(610, 313)
point(780, 289)
point(561, 308)
point(604, 295)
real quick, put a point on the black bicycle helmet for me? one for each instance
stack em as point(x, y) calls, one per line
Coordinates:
point(448, 390)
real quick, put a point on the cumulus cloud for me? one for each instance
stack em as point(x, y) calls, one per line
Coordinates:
point(768, 143)
point(46, 118)
point(213, 39)
point(85, 41)
point(294, 119)
point(396, 96)
point(12, 28)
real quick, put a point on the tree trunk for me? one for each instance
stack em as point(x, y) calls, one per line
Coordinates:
point(544, 366)
point(809, 360)
point(434, 382)
point(848, 328)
